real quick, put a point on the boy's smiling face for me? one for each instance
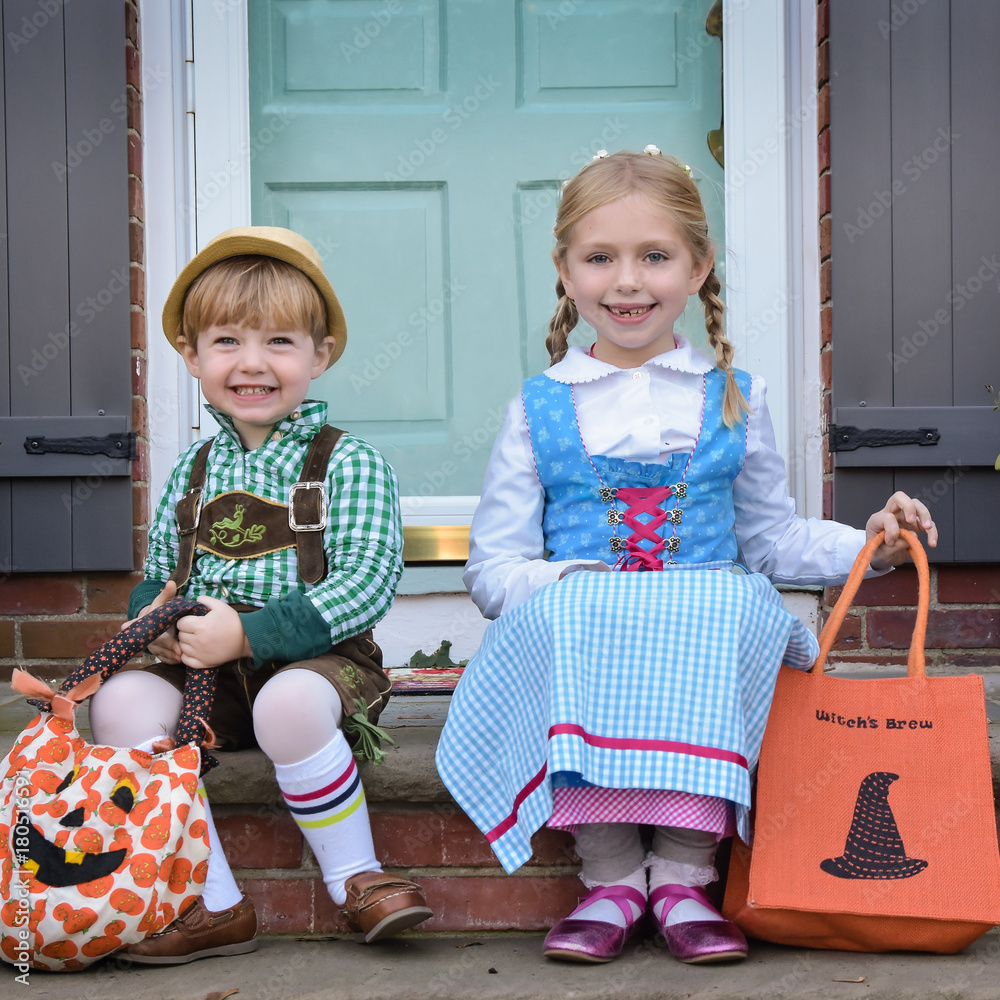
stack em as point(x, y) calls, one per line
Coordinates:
point(257, 377)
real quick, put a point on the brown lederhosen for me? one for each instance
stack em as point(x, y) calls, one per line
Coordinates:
point(353, 666)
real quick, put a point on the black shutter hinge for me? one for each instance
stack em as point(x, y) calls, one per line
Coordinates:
point(112, 445)
point(846, 438)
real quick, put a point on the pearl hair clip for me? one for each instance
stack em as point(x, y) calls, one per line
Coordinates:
point(652, 150)
point(649, 150)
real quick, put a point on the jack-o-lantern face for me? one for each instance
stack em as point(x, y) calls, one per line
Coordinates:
point(57, 866)
point(94, 847)
point(80, 820)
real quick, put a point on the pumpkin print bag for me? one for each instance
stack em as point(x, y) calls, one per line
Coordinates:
point(100, 846)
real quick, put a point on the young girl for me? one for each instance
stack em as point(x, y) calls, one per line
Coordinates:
point(600, 701)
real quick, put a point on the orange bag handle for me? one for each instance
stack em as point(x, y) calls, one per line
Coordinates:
point(915, 663)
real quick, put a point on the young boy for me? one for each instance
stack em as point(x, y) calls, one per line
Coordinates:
point(289, 531)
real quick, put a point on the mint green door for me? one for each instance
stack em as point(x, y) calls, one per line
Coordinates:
point(420, 145)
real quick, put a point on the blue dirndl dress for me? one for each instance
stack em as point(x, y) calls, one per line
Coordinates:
point(631, 680)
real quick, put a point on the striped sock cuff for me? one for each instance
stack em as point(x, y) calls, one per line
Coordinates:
point(329, 804)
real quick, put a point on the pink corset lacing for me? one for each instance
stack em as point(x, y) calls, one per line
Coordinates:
point(643, 501)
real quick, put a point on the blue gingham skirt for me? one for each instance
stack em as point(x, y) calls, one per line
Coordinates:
point(627, 680)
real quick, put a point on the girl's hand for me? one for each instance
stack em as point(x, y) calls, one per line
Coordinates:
point(213, 639)
point(164, 647)
point(900, 511)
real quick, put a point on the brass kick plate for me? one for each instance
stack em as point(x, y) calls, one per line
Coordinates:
point(436, 543)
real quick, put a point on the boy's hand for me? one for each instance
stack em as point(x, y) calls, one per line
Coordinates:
point(900, 511)
point(164, 647)
point(213, 639)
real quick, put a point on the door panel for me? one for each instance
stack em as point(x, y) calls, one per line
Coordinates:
point(421, 146)
point(411, 220)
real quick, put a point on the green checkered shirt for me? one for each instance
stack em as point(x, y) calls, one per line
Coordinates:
point(363, 539)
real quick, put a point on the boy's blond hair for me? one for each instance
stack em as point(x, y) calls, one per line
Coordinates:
point(254, 291)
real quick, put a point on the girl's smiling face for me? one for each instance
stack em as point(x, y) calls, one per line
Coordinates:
point(630, 273)
point(257, 377)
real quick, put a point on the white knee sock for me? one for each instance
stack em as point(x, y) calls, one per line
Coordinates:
point(327, 801)
point(221, 891)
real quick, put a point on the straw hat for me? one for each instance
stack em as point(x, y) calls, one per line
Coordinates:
point(268, 241)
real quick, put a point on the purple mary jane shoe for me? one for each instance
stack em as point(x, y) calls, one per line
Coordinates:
point(697, 941)
point(595, 940)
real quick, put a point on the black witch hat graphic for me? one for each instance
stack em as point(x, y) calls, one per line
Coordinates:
point(874, 848)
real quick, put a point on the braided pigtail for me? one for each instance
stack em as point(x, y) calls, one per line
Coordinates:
point(734, 401)
point(561, 325)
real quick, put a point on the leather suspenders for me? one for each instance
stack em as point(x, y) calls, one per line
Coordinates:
point(307, 510)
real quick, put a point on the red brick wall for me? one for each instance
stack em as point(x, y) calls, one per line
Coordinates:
point(963, 627)
point(434, 844)
point(964, 624)
point(51, 622)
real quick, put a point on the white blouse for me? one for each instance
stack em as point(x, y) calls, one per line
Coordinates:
point(643, 414)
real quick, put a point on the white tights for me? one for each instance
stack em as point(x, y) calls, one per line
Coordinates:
point(295, 715)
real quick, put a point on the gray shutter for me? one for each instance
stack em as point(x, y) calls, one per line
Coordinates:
point(915, 139)
point(67, 317)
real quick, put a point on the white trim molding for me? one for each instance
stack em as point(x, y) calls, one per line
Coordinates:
point(772, 230)
point(167, 169)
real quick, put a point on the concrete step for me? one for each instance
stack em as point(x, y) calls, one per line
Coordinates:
point(511, 967)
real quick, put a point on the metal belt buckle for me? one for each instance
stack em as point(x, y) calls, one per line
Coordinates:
point(321, 523)
point(197, 509)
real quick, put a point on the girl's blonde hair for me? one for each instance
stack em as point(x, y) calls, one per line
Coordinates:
point(669, 187)
point(255, 291)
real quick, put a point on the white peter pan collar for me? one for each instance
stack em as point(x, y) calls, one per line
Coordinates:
point(578, 366)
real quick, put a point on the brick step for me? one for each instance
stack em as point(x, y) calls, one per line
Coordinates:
point(417, 827)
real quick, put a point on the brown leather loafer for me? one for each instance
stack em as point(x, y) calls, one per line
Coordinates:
point(379, 905)
point(199, 933)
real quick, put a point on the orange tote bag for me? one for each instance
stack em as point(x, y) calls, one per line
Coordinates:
point(874, 821)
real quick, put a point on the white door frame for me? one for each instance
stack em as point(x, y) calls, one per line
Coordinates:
point(772, 233)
